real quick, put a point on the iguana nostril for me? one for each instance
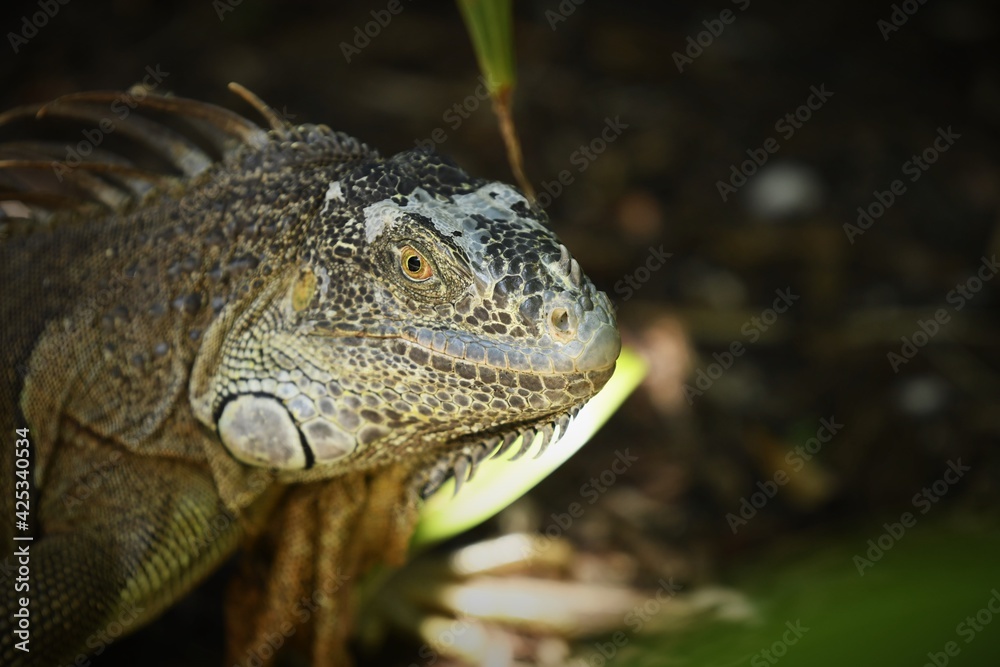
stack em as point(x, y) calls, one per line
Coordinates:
point(561, 323)
point(560, 319)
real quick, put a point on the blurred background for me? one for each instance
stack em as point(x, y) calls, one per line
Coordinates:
point(794, 207)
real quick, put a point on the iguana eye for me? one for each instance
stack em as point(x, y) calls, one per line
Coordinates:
point(415, 266)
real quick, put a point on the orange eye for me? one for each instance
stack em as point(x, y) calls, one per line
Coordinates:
point(414, 265)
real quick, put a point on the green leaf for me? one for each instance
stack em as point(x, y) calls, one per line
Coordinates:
point(498, 482)
point(489, 25)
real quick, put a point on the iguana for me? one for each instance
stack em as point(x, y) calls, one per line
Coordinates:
point(217, 336)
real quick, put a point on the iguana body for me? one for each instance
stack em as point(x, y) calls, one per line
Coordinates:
point(281, 347)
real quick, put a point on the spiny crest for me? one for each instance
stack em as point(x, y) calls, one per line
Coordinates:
point(106, 150)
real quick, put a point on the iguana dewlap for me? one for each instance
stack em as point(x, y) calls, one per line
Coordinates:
point(220, 336)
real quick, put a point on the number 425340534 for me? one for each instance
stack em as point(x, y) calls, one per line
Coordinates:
point(22, 491)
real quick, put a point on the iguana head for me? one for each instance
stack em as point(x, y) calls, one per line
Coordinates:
point(427, 313)
point(330, 309)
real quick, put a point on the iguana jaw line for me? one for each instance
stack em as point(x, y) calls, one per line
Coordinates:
point(465, 459)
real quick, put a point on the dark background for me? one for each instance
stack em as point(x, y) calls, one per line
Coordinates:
point(655, 186)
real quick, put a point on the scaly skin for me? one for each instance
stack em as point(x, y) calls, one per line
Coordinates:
point(283, 349)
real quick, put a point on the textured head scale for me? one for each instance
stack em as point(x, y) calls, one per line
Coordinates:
point(431, 316)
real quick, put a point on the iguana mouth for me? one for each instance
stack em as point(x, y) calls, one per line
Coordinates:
point(589, 342)
point(596, 352)
point(596, 347)
point(463, 462)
